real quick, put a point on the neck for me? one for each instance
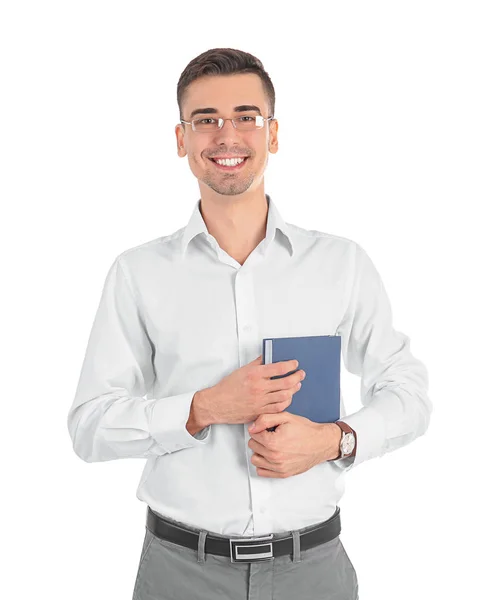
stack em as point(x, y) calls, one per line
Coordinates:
point(237, 222)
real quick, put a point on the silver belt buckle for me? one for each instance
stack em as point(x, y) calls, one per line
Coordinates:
point(251, 549)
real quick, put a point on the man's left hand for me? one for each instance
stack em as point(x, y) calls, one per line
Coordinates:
point(296, 445)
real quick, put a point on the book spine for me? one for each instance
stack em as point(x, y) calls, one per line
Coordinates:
point(268, 352)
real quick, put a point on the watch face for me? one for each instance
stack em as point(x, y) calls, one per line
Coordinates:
point(347, 445)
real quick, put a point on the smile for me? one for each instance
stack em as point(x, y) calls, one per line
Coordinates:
point(230, 164)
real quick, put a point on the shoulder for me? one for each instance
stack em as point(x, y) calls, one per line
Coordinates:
point(146, 253)
point(325, 240)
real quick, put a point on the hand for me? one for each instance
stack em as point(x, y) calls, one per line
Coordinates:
point(296, 445)
point(248, 392)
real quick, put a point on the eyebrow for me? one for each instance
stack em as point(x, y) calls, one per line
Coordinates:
point(241, 108)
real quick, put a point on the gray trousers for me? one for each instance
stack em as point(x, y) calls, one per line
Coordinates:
point(168, 571)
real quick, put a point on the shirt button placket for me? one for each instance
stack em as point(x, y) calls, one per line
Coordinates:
point(245, 306)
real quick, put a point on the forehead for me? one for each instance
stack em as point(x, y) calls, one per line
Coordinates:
point(224, 92)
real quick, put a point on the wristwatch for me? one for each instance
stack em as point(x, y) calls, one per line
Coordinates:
point(348, 441)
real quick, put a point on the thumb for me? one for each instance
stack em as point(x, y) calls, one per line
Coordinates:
point(269, 420)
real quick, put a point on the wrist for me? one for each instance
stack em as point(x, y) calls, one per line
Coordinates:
point(347, 440)
point(331, 441)
point(199, 416)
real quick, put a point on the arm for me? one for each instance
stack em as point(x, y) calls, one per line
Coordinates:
point(110, 417)
point(396, 409)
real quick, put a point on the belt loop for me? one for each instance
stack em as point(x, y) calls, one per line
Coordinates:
point(296, 546)
point(201, 555)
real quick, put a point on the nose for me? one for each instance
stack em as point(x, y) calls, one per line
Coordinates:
point(227, 131)
point(229, 123)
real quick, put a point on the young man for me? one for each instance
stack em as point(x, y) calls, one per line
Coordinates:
point(173, 371)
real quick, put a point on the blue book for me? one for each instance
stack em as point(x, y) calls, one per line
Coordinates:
point(320, 357)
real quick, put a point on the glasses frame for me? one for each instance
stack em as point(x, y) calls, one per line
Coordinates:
point(221, 122)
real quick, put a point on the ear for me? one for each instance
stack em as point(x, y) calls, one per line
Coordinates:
point(273, 141)
point(180, 140)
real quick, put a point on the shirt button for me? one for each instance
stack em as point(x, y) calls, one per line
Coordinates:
point(247, 328)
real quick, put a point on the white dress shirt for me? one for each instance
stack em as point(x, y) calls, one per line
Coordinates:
point(178, 313)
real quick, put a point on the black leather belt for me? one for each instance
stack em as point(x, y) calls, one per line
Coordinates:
point(244, 549)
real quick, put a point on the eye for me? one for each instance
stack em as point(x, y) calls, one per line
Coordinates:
point(203, 120)
point(246, 117)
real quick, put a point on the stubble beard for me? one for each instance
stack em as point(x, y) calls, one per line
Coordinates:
point(229, 185)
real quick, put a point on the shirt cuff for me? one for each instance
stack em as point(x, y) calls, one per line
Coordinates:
point(167, 423)
point(344, 463)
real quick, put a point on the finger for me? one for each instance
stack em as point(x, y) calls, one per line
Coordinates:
point(269, 473)
point(285, 383)
point(284, 367)
point(259, 448)
point(263, 463)
point(280, 400)
point(268, 420)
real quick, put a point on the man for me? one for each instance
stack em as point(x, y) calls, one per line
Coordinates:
point(173, 370)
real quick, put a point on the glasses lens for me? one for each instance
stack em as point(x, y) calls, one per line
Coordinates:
point(205, 124)
point(244, 122)
point(249, 122)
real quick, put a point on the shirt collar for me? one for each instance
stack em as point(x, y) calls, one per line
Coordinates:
point(196, 226)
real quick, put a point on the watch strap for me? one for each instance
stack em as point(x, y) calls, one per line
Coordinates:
point(346, 429)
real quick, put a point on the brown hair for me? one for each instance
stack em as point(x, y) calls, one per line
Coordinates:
point(224, 61)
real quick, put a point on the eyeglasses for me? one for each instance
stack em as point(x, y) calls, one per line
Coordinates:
point(244, 123)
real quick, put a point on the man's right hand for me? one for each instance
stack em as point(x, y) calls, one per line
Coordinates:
point(248, 392)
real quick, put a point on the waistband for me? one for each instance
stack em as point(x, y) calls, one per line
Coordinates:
point(244, 549)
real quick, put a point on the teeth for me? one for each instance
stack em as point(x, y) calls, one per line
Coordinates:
point(229, 162)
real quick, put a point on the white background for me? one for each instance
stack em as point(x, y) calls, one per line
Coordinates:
point(388, 136)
